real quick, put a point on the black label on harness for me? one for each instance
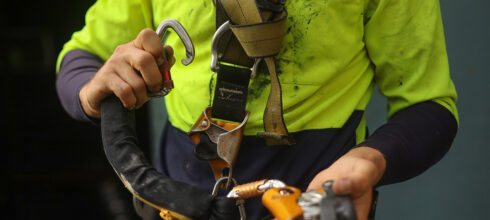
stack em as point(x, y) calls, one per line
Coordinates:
point(230, 95)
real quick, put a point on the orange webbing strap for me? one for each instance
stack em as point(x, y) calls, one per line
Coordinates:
point(260, 33)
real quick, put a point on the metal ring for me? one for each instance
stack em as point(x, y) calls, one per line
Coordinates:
point(219, 182)
point(255, 67)
point(239, 203)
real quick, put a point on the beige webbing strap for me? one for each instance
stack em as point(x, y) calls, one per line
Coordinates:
point(260, 33)
point(276, 132)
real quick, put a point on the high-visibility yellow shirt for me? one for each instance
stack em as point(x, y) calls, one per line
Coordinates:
point(333, 53)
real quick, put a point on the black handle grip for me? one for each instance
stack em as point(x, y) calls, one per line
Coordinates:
point(138, 175)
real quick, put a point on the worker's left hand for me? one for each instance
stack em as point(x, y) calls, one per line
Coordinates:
point(354, 174)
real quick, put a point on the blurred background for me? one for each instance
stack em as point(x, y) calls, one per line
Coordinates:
point(53, 167)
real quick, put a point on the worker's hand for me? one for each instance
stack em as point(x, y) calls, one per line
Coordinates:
point(132, 70)
point(354, 174)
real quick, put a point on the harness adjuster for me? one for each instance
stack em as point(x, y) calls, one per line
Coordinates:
point(215, 56)
point(218, 142)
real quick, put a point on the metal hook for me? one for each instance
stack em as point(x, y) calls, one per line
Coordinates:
point(214, 49)
point(183, 35)
point(214, 45)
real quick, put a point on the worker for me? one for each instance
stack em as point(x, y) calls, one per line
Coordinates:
point(332, 56)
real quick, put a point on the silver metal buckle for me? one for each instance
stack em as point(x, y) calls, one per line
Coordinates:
point(214, 50)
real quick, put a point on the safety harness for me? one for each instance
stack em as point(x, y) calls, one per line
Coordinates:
point(247, 33)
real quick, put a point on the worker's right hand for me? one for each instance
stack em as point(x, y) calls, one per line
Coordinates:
point(133, 69)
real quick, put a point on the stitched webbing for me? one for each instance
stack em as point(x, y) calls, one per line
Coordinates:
point(260, 33)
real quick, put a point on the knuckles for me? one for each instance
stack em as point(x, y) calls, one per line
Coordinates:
point(149, 41)
point(125, 94)
point(120, 49)
point(146, 34)
point(155, 87)
point(144, 59)
point(140, 86)
point(149, 47)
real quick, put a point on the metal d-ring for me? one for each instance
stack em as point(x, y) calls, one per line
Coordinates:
point(214, 49)
point(183, 35)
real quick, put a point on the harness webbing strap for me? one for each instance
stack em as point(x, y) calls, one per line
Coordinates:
point(261, 40)
point(229, 49)
point(276, 132)
point(231, 92)
point(260, 33)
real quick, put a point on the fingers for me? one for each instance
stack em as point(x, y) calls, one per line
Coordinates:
point(343, 186)
point(169, 55)
point(136, 83)
point(146, 65)
point(354, 185)
point(132, 70)
point(123, 91)
point(104, 83)
point(109, 81)
point(149, 41)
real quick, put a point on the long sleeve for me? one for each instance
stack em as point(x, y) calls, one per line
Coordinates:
point(76, 69)
point(405, 41)
point(108, 23)
point(413, 140)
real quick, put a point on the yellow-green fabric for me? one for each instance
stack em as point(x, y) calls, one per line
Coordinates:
point(333, 53)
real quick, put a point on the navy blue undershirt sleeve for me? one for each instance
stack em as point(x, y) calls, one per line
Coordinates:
point(77, 68)
point(413, 140)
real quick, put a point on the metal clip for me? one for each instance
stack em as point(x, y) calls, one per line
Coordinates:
point(214, 49)
point(310, 203)
point(224, 142)
point(222, 183)
point(189, 49)
point(214, 44)
point(183, 35)
point(254, 189)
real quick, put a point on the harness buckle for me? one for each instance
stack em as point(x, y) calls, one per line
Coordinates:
point(218, 142)
point(215, 56)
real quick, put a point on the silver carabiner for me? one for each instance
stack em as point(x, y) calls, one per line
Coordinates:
point(183, 35)
point(189, 51)
point(214, 44)
point(214, 49)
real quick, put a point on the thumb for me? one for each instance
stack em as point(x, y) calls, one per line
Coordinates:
point(360, 193)
point(343, 186)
